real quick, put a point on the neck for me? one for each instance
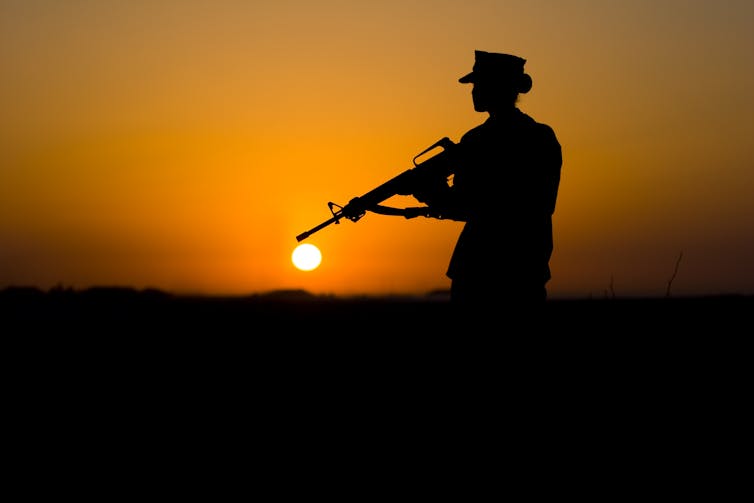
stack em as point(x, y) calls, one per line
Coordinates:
point(503, 112)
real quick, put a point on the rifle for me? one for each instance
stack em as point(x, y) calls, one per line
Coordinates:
point(435, 167)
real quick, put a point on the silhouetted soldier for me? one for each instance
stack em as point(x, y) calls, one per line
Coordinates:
point(504, 187)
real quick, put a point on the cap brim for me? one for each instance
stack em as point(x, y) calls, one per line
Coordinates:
point(466, 79)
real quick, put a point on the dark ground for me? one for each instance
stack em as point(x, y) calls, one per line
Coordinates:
point(300, 314)
point(294, 326)
point(627, 392)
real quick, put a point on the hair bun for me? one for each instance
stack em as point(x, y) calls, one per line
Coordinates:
point(524, 85)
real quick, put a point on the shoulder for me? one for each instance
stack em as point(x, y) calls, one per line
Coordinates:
point(540, 127)
point(474, 132)
point(539, 130)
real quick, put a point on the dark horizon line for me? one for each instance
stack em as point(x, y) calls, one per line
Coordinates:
point(303, 294)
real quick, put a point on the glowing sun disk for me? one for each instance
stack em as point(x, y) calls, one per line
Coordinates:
point(306, 257)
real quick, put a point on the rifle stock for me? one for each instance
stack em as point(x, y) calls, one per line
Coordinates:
point(438, 165)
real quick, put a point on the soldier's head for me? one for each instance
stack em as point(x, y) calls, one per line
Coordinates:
point(498, 80)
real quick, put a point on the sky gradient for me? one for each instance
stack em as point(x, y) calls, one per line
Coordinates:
point(182, 145)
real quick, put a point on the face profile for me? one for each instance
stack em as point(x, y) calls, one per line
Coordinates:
point(497, 81)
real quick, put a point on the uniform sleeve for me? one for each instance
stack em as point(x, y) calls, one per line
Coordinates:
point(551, 162)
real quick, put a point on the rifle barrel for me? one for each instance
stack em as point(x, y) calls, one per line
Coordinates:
point(311, 231)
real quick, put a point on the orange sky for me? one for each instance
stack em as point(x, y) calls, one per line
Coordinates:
point(183, 145)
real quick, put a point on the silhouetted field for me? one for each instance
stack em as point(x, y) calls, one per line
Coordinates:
point(290, 372)
point(290, 326)
point(290, 332)
point(297, 313)
point(287, 336)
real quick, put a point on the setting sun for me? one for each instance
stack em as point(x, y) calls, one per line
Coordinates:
point(306, 257)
